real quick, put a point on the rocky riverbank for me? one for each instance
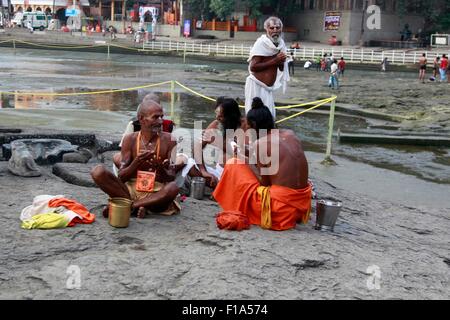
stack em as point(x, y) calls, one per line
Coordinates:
point(188, 257)
point(390, 222)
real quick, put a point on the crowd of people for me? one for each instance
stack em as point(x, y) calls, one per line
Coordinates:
point(328, 63)
point(441, 69)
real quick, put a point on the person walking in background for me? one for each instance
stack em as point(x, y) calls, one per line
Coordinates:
point(290, 60)
point(443, 68)
point(29, 26)
point(448, 72)
point(384, 64)
point(323, 62)
point(333, 81)
point(318, 63)
point(341, 67)
point(422, 67)
point(436, 65)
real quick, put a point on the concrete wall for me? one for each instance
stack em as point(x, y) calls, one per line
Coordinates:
point(310, 27)
point(241, 35)
point(164, 30)
point(391, 26)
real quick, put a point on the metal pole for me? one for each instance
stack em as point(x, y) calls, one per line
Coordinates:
point(108, 51)
point(172, 98)
point(123, 16)
point(14, 45)
point(328, 159)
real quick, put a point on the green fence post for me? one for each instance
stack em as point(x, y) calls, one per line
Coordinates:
point(172, 98)
point(328, 160)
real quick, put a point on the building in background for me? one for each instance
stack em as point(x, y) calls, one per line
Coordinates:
point(346, 20)
point(55, 8)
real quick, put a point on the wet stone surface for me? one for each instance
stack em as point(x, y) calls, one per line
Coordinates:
point(43, 151)
point(187, 257)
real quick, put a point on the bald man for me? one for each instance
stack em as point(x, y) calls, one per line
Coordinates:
point(132, 126)
point(144, 151)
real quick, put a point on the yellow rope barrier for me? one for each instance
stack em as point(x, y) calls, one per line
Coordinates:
point(124, 47)
point(62, 47)
point(302, 104)
point(304, 111)
point(82, 93)
point(73, 47)
point(280, 107)
point(317, 103)
point(195, 92)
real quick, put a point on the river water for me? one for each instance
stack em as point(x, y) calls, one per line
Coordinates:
point(69, 72)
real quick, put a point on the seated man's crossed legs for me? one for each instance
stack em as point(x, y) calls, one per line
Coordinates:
point(157, 202)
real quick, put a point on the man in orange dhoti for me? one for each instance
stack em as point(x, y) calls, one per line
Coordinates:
point(276, 200)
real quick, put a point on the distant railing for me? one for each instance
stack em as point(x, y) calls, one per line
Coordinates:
point(350, 55)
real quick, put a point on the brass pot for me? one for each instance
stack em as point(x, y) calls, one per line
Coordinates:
point(119, 212)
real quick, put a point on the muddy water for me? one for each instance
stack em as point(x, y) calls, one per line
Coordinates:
point(67, 72)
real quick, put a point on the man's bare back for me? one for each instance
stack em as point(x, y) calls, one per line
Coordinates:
point(293, 166)
point(423, 61)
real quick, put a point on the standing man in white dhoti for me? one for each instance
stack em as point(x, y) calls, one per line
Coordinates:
point(268, 66)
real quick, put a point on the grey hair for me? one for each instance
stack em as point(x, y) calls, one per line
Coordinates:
point(146, 103)
point(274, 19)
point(139, 109)
point(152, 96)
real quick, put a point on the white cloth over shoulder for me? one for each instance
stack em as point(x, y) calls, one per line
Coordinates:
point(129, 129)
point(264, 47)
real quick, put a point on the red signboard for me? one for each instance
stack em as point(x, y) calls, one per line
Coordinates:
point(332, 21)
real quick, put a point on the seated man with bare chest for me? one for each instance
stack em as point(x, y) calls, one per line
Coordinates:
point(145, 174)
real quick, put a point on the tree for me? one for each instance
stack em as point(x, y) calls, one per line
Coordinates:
point(436, 14)
point(255, 6)
point(279, 8)
point(443, 20)
point(222, 8)
point(200, 8)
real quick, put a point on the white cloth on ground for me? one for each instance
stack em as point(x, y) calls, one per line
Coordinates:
point(40, 206)
point(266, 48)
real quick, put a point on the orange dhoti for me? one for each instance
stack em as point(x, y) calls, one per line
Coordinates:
point(239, 190)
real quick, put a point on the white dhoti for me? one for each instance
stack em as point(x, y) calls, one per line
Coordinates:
point(256, 88)
point(214, 170)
